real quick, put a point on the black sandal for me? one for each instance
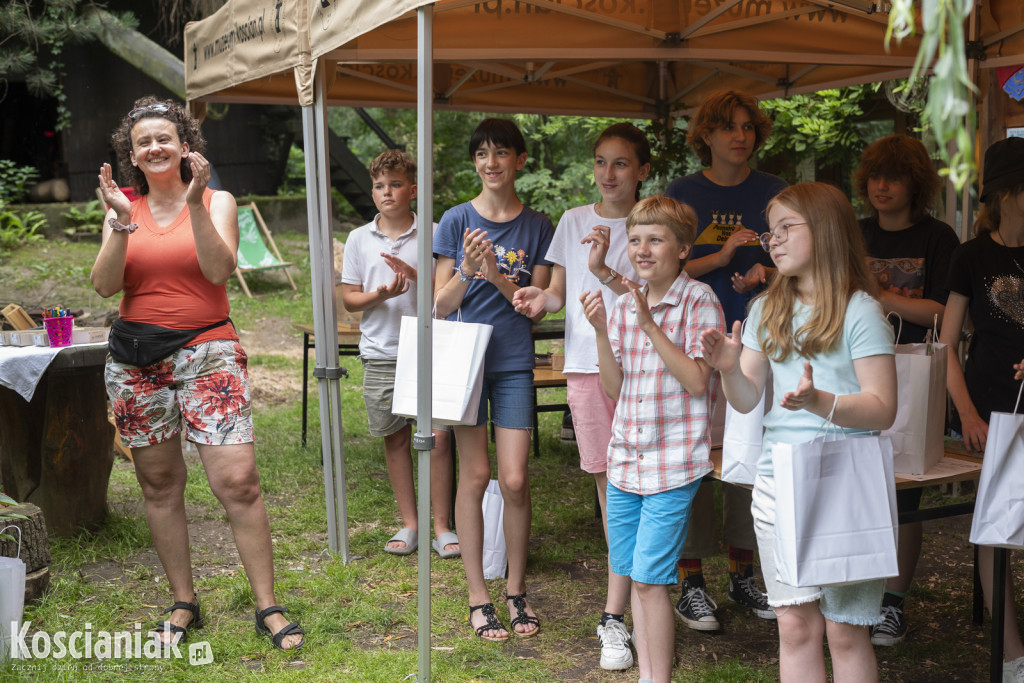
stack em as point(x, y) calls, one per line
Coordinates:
point(278, 638)
point(174, 629)
point(522, 617)
point(492, 623)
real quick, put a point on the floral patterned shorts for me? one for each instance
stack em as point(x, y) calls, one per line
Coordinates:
point(203, 388)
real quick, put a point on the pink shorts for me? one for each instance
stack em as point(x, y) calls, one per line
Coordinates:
point(592, 413)
point(203, 388)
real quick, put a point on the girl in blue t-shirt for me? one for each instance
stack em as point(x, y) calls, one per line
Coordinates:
point(816, 321)
point(486, 250)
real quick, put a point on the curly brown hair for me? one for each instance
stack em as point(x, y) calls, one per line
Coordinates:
point(900, 157)
point(393, 161)
point(188, 132)
point(716, 112)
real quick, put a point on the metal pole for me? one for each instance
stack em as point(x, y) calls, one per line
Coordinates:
point(325, 319)
point(423, 441)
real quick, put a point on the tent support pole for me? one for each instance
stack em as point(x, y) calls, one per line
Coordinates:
point(424, 304)
point(325, 318)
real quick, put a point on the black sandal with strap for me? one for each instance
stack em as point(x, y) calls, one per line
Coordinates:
point(174, 629)
point(522, 617)
point(492, 623)
point(278, 638)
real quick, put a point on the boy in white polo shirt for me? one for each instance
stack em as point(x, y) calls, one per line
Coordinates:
point(379, 277)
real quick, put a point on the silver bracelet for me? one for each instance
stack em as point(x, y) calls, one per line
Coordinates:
point(121, 227)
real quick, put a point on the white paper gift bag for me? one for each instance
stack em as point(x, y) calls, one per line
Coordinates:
point(918, 431)
point(12, 599)
point(495, 559)
point(999, 505)
point(835, 511)
point(741, 443)
point(458, 360)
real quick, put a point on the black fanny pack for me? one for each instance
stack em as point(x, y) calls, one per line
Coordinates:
point(142, 344)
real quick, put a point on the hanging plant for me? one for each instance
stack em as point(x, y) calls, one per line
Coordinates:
point(949, 110)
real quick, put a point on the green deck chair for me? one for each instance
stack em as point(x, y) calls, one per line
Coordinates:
point(253, 254)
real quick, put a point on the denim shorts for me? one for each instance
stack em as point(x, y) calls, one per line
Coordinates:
point(511, 398)
point(859, 604)
point(646, 532)
point(378, 391)
point(203, 389)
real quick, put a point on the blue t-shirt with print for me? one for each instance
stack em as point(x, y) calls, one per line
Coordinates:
point(519, 245)
point(721, 210)
point(866, 332)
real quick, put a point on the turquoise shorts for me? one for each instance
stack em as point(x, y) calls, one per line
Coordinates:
point(646, 532)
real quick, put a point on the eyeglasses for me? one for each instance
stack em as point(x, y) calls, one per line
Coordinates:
point(157, 108)
point(780, 234)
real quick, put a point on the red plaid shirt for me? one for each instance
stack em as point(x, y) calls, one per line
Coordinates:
point(660, 432)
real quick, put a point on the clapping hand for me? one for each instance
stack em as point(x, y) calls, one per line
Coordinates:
point(722, 352)
point(804, 394)
point(593, 308)
point(200, 177)
point(529, 301)
point(399, 266)
point(599, 239)
point(398, 286)
point(112, 194)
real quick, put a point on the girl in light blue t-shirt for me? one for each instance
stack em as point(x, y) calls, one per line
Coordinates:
point(830, 350)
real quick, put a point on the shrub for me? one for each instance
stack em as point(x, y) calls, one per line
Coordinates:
point(18, 228)
point(15, 181)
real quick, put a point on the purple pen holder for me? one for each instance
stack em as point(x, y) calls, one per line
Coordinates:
point(58, 330)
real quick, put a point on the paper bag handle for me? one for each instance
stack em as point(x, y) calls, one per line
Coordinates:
point(899, 329)
point(14, 526)
point(1017, 404)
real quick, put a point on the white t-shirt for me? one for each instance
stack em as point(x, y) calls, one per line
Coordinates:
point(566, 251)
point(363, 265)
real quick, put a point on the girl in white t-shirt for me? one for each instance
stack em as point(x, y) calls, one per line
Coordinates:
point(830, 350)
point(589, 253)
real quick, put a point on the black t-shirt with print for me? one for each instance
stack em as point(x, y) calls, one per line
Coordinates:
point(992, 277)
point(913, 262)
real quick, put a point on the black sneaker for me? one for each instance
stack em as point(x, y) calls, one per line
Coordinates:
point(743, 590)
point(696, 609)
point(893, 628)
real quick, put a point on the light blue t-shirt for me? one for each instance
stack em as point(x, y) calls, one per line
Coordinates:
point(519, 246)
point(866, 332)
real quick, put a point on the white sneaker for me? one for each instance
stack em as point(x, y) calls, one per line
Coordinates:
point(1013, 671)
point(615, 654)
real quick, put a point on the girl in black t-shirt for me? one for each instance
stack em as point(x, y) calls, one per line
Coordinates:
point(986, 280)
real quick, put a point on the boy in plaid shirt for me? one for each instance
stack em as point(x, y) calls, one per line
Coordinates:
point(652, 365)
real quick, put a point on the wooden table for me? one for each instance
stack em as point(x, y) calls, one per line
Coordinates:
point(545, 378)
point(55, 450)
point(348, 345)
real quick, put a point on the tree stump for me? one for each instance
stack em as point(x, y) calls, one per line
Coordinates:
point(35, 547)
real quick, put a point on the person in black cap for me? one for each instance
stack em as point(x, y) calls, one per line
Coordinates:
point(986, 281)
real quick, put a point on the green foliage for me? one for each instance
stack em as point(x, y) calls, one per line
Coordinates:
point(6, 502)
point(15, 180)
point(18, 228)
point(89, 219)
point(294, 181)
point(950, 109)
point(32, 40)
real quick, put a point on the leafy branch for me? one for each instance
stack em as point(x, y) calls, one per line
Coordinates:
point(950, 109)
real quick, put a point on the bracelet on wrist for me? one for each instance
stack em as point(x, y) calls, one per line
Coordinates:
point(462, 275)
point(121, 227)
point(612, 275)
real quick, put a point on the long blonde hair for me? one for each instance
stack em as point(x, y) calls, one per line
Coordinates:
point(839, 270)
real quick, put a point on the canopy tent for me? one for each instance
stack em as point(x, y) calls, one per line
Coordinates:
point(623, 58)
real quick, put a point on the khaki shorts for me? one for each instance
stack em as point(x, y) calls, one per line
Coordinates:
point(203, 389)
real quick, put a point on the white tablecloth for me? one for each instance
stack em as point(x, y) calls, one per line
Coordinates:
point(21, 367)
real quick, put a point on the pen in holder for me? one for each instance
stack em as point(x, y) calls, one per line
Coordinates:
point(58, 329)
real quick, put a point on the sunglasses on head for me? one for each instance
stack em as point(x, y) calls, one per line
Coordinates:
point(157, 108)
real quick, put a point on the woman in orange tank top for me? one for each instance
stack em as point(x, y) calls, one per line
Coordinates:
point(171, 251)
